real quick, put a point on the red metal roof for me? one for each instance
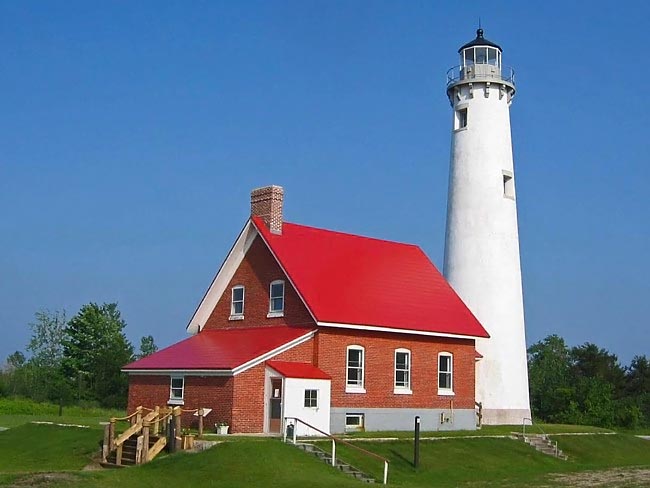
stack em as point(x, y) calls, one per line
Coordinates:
point(298, 370)
point(223, 349)
point(350, 279)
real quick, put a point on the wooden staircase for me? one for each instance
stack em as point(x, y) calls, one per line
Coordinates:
point(146, 436)
point(327, 458)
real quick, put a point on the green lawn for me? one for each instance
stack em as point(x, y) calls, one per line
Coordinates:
point(41, 448)
point(62, 452)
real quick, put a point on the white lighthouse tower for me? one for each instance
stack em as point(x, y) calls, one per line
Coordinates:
point(482, 239)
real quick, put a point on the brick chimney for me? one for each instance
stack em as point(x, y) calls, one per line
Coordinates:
point(266, 202)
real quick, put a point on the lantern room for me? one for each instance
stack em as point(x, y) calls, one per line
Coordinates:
point(480, 51)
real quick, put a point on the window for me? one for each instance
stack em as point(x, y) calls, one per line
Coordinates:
point(176, 390)
point(237, 304)
point(354, 422)
point(508, 185)
point(276, 299)
point(311, 398)
point(445, 374)
point(354, 382)
point(460, 121)
point(402, 371)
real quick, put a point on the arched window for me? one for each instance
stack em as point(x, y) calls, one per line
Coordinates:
point(402, 371)
point(445, 373)
point(355, 356)
point(276, 297)
point(237, 302)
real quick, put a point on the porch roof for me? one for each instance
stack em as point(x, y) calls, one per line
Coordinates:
point(223, 349)
point(298, 370)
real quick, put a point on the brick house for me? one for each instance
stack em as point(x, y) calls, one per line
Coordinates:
point(343, 331)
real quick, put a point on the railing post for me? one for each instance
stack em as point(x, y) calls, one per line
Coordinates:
point(138, 415)
point(200, 412)
point(284, 429)
point(177, 424)
point(156, 423)
point(111, 435)
point(145, 442)
point(107, 442)
point(385, 472)
point(118, 455)
point(333, 452)
point(295, 430)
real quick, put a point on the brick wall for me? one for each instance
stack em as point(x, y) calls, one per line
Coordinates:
point(248, 409)
point(256, 272)
point(215, 392)
point(379, 369)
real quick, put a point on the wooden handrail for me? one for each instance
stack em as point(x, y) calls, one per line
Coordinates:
point(337, 439)
point(128, 417)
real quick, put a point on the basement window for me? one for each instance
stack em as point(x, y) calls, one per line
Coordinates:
point(508, 185)
point(354, 422)
point(460, 121)
point(176, 390)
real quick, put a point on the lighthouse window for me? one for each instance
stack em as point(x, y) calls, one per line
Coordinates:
point(508, 185)
point(492, 57)
point(481, 55)
point(461, 119)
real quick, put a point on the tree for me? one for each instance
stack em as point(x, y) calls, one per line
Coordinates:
point(147, 346)
point(590, 361)
point(94, 351)
point(46, 343)
point(16, 360)
point(549, 377)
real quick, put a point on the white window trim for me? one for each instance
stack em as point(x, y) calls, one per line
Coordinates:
point(276, 313)
point(362, 425)
point(176, 400)
point(402, 390)
point(355, 388)
point(446, 391)
point(233, 315)
point(304, 397)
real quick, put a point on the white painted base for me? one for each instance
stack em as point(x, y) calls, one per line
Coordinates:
point(493, 416)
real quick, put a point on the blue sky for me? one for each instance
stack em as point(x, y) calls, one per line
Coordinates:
point(132, 132)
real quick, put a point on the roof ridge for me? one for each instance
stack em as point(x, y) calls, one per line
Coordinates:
point(349, 234)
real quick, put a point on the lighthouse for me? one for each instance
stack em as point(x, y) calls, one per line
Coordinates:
point(482, 239)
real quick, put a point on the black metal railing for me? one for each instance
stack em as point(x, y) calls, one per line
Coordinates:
point(480, 72)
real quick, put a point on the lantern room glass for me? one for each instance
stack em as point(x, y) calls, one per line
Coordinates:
point(481, 55)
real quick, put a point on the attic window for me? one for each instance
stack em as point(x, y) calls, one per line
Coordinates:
point(237, 304)
point(276, 299)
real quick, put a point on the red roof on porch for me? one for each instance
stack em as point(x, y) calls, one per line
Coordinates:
point(222, 349)
point(350, 279)
point(298, 370)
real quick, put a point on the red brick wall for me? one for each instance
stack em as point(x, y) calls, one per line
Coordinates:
point(379, 369)
point(248, 397)
point(256, 272)
point(215, 392)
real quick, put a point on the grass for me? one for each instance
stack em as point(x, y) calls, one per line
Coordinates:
point(28, 449)
point(494, 462)
point(38, 448)
point(19, 411)
point(484, 431)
